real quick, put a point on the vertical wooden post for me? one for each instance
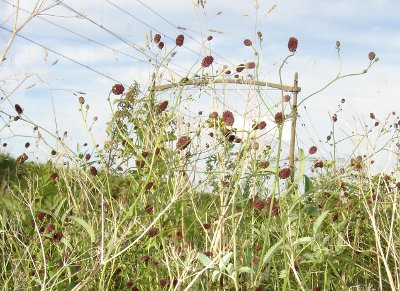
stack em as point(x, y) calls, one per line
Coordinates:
point(293, 130)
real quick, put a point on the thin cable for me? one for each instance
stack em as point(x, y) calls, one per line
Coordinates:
point(68, 58)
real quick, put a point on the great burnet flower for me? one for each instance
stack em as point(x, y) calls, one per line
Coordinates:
point(162, 106)
point(118, 89)
point(179, 40)
point(207, 61)
point(284, 173)
point(18, 108)
point(275, 206)
point(183, 142)
point(157, 38)
point(228, 118)
point(312, 150)
point(292, 44)
point(247, 42)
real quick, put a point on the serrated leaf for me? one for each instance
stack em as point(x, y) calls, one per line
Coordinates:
point(319, 221)
point(206, 261)
point(308, 185)
point(215, 274)
point(272, 251)
point(226, 258)
point(85, 225)
point(303, 240)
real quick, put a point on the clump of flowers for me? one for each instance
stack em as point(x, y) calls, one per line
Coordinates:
point(118, 89)
point(183, 142)
point(284, 173)
point(207, 61)
point(179, 40)
point(275, 206)
point(228, 118)
point(292, 44)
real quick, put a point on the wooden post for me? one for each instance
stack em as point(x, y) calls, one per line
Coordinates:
point(293, 130)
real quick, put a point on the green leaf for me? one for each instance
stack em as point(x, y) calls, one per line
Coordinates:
point(272, 251)
point(300, 168)
point(312, 210)
point(85, 225)
point(246, 270)
point(206, 261)
point(319, 221)
point(303, 240)
point(308, 185)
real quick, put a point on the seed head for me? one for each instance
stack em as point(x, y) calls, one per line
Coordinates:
point(93, 171)
point(27, 145)
point(334, 117)
point(81, 100)
point(319, 164)
point(337, 44)
point(286, 98)
point(259, 34)
point(207, 226)
point(261, 125)
point(240, 68)
point(264, 164)
point(160, 45)
point(149, 185)
point(372, 115)
point(292, 44)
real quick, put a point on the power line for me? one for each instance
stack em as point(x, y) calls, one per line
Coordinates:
point(66, 57)
point(116, 35)
point(80, 35)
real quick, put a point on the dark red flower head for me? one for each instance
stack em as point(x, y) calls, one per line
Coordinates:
point(258, 204)
point(161, 45)
point(152, 232)
point(93, 171)
point(179, 40)
point(312, 150)
point(18, 109)
point(261, 125)
point(319, 164)
point(247, 42)
point(118, 89)
point(209, 37)
point(371, 56)
point(53, 176)
point(275, 206)
point(292, 44)
point(162, 106)
point(250, 65)
point(207, 61)
point(228, 118)
point(183, 142)
point(284, 173)
point(279, 118)
point(157, 38)
point(372, 115)
point(240, 68)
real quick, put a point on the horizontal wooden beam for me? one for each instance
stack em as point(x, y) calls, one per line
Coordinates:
point(198, 82)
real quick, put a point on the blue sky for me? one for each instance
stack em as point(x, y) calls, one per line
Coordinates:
point(361, 26)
